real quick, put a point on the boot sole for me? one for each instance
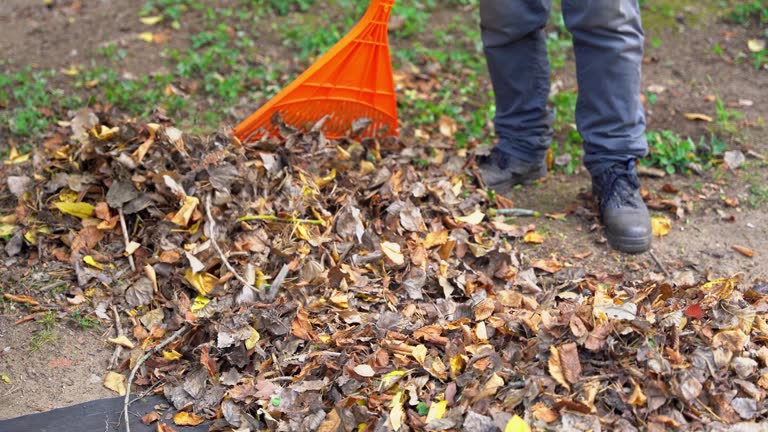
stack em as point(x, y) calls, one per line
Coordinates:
point(630, 245)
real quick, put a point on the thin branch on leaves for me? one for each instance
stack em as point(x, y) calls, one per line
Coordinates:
point(212, 236)
point(126, 402)
point(272, 218)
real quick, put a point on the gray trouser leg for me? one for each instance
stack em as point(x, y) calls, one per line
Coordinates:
point(516, 53)
point(608, 43)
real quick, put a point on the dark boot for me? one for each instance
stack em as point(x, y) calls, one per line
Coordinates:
point(501, 172)
point(622, 210)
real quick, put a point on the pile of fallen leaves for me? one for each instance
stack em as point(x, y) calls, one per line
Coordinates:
point(363, 285)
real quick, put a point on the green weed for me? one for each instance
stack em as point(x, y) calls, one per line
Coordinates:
point(670, 151)
point(83, 321)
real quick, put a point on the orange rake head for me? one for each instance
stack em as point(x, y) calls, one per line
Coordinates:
point(350, 84)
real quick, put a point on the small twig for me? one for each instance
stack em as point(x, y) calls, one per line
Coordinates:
point(658, 262)
point(272, 218)
point(163, 344)
point(519, 212)
point(127, 239)
point(212, 236)
point(53, 285)
point(118, 348)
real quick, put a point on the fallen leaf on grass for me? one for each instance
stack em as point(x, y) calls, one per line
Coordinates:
point(747, 252)
point(151, 20)
point(549, 266)
point(533, 237)
point(21, 299)
point(115, 382)
point(660, 226)
point(756, 45)
point(187, 419)
point(697, 116)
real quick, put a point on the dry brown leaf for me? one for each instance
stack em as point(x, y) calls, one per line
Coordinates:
point(150, 417)
point(484, 309)
point(448, 126)
point(115, 382)
point(747, 252)
point(549, 266)
point(637, 398)
point(21, 299)
point(569, 362)
point(698, 116)
point(365, 370)
point(556, 369)
point(436, 238)
point(544, 413)
point(123, 341)
point(420, 354)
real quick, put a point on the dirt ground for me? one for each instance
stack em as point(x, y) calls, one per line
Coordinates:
point(69, 370)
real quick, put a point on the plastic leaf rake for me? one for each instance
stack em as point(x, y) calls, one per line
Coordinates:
point(351, 84)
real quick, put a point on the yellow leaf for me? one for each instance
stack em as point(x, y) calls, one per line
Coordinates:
point(252, 339)
point(106, 133)
point(397, 413)
point(184, 214)
point(71, 71)
point(92, 262)
point(123, 341)
point(9, 219)
point(199, 303)
point(327, 179)
point(80, 209)
point(756, 45)
point(473, 219)
point(436, 238)
point(171, 355)
point(660, 226)
point(301, 232)
point(436, 410)
point(151, 20)
point(533, 237)
point(187, 419)
point(392, 251)
point(6, 230)
point(697, 116)
point(202, 282)
point(517, 424)
point(419, 353)
point(115, 382)
point(147, 36)
point(457, 363)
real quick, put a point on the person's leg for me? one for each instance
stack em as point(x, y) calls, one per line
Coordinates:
point(515, 49)
point(608, 43)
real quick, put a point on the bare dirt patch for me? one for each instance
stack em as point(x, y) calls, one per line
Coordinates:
point(64, 371)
